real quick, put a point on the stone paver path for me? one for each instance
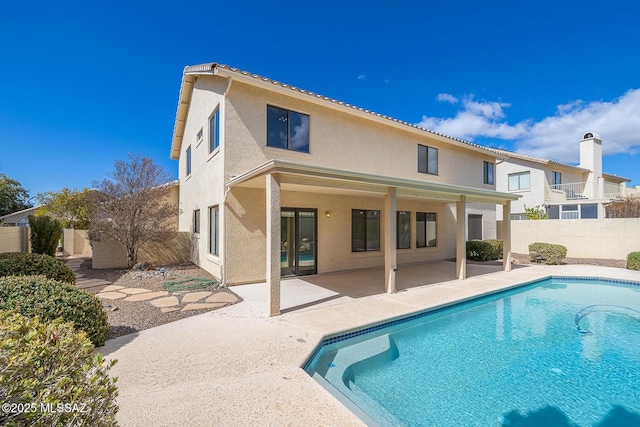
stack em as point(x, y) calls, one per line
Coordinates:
point(166, 301)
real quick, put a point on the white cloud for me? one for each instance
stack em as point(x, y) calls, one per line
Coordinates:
point(446, 97)
point(554, 137)
point(361, 77)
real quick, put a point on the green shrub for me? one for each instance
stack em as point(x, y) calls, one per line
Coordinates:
point(547, 253)
point(45, 234)
point(38, 296)
point(44, 365)
point(25, 264)
point(484, 250)
point(633, 261)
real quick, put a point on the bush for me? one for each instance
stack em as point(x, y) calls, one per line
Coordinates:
point(38, 296)
point(633, 261)
point(547, 253)
point(43, 365)
point(25, 264)
point(45, 234)
point(484, 250)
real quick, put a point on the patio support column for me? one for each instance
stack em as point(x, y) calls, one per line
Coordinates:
point(461, 238)
point(273, 244)
point(390, 239)
point(506, 236)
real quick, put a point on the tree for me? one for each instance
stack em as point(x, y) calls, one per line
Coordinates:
point(13, 197)
point(69, 206)
point(45, 234)
point(535, 213)
point(132, 207)
point(625, 207)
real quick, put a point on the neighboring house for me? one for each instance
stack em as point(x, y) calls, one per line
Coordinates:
point(20, 218)
point(276, 180)
point(565, 191)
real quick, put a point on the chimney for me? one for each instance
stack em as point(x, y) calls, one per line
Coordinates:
point(591, 159)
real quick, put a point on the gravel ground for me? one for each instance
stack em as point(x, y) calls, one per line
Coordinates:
point(128, 317)
point(618, 263)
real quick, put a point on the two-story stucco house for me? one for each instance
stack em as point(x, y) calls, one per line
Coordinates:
point(277, 181)
point(565, 191)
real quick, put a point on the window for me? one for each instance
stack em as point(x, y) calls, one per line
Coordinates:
point(188, 160)
point(196, 221)
point(518, 217)
point(403, 229)
point(214, 131)
point(519, 181)
point(214, 244)
point(425, 230)
point(556, 178)
point(199, 137)
point(569, 212)
point(365, 230)
point(589, 211)
point(427, 160)
point(287, 129)
point(488, 173)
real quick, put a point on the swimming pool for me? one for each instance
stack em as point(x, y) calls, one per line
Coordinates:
point(560, 351)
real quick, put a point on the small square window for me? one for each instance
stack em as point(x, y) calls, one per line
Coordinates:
point(519, 181)
point(287, 129)
point(199, 136)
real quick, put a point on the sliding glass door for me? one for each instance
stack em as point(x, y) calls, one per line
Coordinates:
point(298, 243)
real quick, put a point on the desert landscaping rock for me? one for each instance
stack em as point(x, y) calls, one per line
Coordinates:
point(104, 288)
point(90, 283)
point(111, 295)
point(201, 306)
point(222, 297)
point(194, 296)
point(165, 302)
point(147, 296)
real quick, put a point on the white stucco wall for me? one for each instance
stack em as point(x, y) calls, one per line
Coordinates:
point(246, 207)
point(204, 187)
point(337, 141)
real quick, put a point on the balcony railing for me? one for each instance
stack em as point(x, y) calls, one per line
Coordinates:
point(572, 191)
point(580, 190)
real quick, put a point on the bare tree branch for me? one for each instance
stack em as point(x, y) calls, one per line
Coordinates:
point(132, 206)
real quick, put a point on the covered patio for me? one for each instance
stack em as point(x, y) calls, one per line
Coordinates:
point(277, 177)
point(323, 290)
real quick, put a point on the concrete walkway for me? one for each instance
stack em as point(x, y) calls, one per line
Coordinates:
point(236, 367)
point(164, 300)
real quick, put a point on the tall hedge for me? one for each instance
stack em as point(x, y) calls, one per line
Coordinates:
point(45, 234)
point(38, 296)
point(46, 364)
point(25, 264)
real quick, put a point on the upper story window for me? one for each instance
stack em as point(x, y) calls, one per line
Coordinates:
point(488, 173)
point(214, 131)
point(427, 160)
point(519, 181)
point(287, 129)
point(188, 160)
point(199, 137)
point(556, 178)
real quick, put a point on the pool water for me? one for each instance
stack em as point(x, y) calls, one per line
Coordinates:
point(559, 352)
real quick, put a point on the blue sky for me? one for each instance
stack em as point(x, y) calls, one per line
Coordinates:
point(84, 83)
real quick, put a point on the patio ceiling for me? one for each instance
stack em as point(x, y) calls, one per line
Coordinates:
point(301, 177)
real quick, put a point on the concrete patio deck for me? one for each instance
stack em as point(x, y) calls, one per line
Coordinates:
point(236, 366)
